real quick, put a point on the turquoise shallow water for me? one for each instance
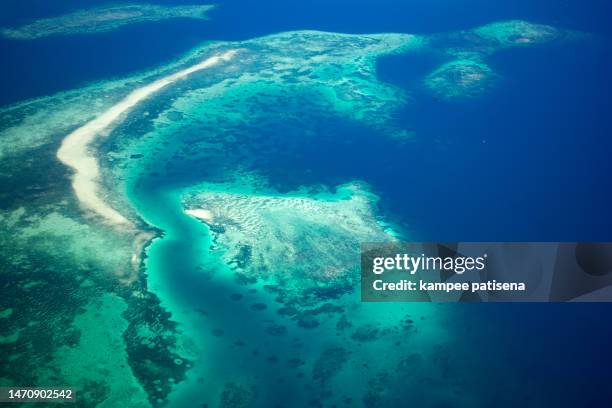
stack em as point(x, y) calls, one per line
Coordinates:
point(231, 343)
point(440, 358)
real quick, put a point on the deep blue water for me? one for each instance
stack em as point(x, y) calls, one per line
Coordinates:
point(528, 162)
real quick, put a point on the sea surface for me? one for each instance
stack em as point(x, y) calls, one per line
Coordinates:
point(542, 134)
point(527, 161)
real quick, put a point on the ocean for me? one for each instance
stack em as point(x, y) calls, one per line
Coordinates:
point(527, 161)
point(542, 134)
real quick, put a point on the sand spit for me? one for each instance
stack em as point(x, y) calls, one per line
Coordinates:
point(201, 214)
point(75, 150)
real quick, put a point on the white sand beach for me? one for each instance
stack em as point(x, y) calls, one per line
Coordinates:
point(75, 150)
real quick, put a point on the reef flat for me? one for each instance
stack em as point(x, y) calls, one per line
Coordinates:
point(467, 74)
point(310, 238)
point(101, 19)
point(202, 160)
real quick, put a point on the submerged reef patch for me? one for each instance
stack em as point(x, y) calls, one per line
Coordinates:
point(458, 79)
point(101, 19)
point(468, 75)
point(237, 396)
point(519, 33)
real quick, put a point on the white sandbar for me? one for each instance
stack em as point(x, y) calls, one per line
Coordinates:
point(201, 214)
point(75, 153)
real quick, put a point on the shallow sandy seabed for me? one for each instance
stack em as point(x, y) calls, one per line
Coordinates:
point(303, 235)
